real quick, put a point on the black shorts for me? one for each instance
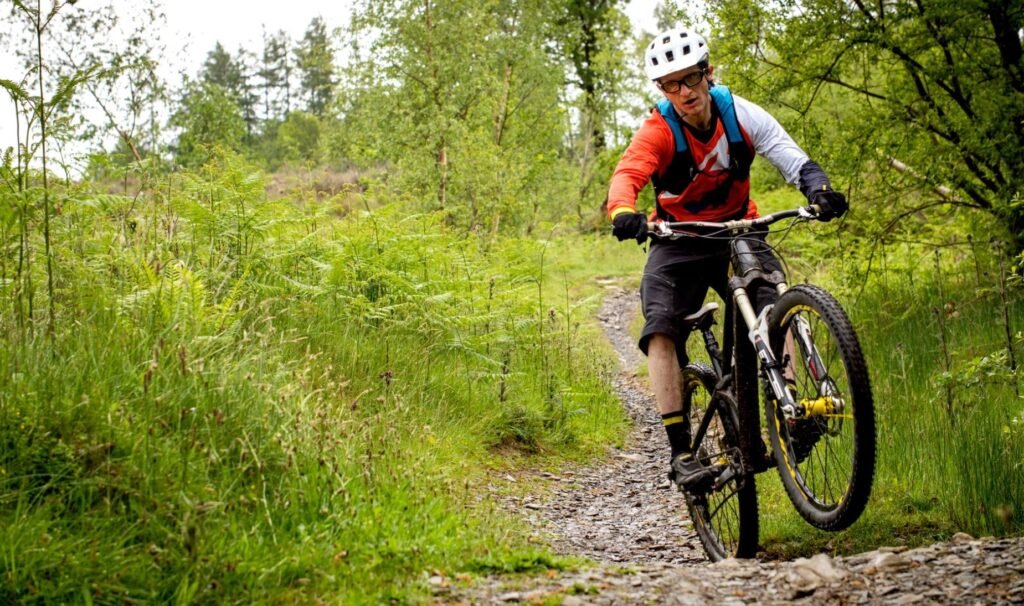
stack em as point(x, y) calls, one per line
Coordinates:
point(676, 281)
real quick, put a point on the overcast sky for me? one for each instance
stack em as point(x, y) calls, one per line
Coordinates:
point(193, 26)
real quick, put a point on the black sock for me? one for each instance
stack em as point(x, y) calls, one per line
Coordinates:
point(678, 431)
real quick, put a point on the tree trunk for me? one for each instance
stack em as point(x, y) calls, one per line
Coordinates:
point(502, 114)
point(442, 170)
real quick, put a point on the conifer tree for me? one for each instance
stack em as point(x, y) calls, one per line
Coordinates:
point(314, 59)
point(275, 75)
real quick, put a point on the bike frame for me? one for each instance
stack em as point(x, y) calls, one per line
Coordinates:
point(747, 272)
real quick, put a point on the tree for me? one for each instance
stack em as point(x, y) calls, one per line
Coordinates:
point(592, 36)
point(590, 30)
point(275, 76)
point(220, 68)
point(314, 59)
point(233, 75)
point(463, 99)
point(111, 55)
point(939, 85)
point(299, 136)
point(209, 116)
point(123, 51)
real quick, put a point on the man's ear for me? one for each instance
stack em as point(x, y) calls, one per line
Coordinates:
point(709, 73)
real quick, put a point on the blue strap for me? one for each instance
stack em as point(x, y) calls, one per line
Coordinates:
point(723, 101)
point(669, 114)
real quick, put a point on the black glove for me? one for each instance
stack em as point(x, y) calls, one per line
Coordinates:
point(629, 226)
point(832, 203)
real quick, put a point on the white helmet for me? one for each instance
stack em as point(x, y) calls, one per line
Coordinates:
point(674, 50)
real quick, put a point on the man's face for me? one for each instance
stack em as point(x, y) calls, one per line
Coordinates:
point(693, 103)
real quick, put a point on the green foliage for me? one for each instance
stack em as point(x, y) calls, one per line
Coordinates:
point(275, 76)
point(937, 85)
point(296, 140)
point(592, 39)
point(946, 393)
point(209, 117)
point(314, 59)
point(220, 68)
point(101, 64)
point(476, 139)
point(232, 75)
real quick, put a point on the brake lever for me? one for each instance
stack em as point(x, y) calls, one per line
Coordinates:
point(660, 229)
point(811, 211)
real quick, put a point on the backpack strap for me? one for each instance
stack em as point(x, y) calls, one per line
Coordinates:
point(672, 118)
point(739, 151)
point(727, 109)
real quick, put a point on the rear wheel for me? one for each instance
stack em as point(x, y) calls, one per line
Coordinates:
point(726, 517)
point(826, 452)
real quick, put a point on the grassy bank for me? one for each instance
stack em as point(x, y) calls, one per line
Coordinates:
point(247, 400)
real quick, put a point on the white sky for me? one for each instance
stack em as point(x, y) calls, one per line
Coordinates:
point(194, 26)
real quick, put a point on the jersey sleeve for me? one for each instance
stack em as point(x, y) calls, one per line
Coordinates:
point(771, 140)
point(649, 153)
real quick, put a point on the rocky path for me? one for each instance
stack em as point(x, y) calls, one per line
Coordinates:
point(623, 514)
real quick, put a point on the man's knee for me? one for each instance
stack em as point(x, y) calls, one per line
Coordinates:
point(663, 346)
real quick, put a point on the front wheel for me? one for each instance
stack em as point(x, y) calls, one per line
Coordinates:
point(825, 449)
point(725, 518)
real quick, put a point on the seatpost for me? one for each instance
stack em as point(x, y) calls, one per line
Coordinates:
point(711, 343)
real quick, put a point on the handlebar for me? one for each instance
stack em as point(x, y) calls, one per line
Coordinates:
point(666, 229)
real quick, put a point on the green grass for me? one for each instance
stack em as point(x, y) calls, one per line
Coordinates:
point(940, 470)
point(251, 401)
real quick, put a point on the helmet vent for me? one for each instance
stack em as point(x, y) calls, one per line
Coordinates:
point(672, 51)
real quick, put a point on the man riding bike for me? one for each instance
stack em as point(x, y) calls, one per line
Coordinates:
point(696, 148)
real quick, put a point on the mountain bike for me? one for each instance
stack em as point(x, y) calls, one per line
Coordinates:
point(802, 353)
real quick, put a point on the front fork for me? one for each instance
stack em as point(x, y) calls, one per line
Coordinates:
point(775, 371)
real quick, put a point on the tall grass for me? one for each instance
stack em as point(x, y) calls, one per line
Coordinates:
point(951, 435)
point(248, 400)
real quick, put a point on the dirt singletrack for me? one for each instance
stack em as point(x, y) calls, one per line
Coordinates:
point(623, 514)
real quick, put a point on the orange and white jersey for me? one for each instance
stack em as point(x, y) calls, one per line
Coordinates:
point(700, 183)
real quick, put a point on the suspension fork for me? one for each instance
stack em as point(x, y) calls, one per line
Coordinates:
point(757, 333)
point(815, 365)
point(749, 270)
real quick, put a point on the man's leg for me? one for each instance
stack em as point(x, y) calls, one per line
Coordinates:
point(666, 377)
point(663, 367)
point(671, 291)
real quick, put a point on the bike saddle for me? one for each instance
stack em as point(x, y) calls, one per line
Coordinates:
point(699, 316)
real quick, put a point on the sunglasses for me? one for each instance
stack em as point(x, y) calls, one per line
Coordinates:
point(690, 80)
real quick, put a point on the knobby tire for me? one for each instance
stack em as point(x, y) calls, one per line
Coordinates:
point(725, 519)
point(827, 460)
